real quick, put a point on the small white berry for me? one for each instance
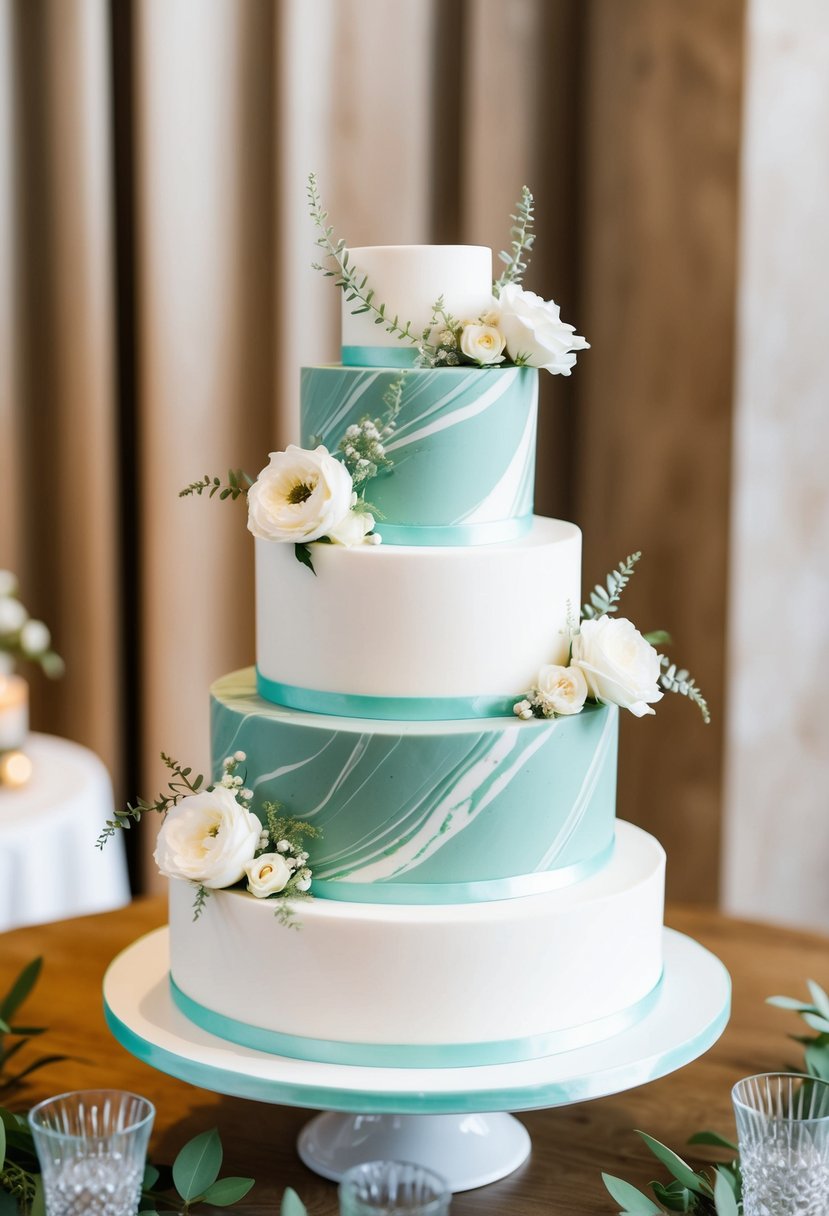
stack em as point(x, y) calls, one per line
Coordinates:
point(228, 762)
point(247, 795)
point(303, 884)
point(240, 756)
point(283, 846)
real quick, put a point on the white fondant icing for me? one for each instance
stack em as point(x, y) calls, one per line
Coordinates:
point(398, 621)
point(458, 974)
point(408, 279)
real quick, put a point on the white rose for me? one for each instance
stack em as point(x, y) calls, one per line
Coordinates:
point(208, 838)
point(483, 343)
point(353, 529)
point(562, 690)
point(13, 616)
point(268, 874)
point(535, 333)
point(35, 637)
point(619, 665)
point(300, 496)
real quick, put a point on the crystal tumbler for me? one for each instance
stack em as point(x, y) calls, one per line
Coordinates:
point(783, 1133)
point(393, 1188)
point(92, 1146)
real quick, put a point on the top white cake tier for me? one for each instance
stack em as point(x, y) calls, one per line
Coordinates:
point(408, 279)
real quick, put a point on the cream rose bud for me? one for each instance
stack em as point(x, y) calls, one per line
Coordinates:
point(300, 496)
point(207, 838)
point(353, 528)
point(562, 690)
point(483, 343)
point(268, 875)
point(535, 333)
point(620, 667)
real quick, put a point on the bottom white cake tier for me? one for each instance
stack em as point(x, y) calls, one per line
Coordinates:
point(402, 985)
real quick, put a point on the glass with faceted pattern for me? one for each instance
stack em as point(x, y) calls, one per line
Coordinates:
point(92, 1146)
point(393, 1188)
point(783, 1133)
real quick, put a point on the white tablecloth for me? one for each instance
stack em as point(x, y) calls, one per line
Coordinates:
point(49, 866)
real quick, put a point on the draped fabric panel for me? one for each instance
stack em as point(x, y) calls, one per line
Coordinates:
point(179, 343)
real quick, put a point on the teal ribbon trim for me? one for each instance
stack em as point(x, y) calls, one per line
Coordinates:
point(433, 893)
point(379, 356)
point(395, 709)
point(489, 532)
point(410, 1055)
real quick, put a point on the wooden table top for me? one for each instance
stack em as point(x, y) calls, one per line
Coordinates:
point(571, 1145)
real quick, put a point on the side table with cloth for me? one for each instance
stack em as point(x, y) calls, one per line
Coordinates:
point(572, 1145)
point(49, 866)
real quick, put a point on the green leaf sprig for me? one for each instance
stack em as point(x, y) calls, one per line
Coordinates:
point(20, 989)
point(523, 237)
point(180, 785)
point(673, 679)
point(605, 599)
point(815, 1013)
point(714, 1193)
point(351, 282)
point(238, 483)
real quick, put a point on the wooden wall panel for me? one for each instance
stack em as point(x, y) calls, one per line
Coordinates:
point(661, 132)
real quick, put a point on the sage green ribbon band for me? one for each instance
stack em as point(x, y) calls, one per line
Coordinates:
point(433, 893)
point(488, 532)
point(379, 356)
point(411, 1055)
point(394, 709)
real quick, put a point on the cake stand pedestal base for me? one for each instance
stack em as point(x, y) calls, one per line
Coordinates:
point(467, 1150)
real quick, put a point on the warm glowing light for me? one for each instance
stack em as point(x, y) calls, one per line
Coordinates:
point(15, 769)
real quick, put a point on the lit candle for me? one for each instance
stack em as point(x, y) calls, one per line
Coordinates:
point(14, 712)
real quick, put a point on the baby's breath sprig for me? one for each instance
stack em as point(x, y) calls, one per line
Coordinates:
point(353, 284)
point(363, 447)
point(238, 483)
point(180, 785)
point(289, 837)
point(523, 238)
point(440, 341)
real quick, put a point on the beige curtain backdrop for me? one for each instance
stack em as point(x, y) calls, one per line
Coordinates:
point(422, 121)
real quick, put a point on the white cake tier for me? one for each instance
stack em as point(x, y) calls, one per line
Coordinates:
point(427, 986)
point(431, 632)
point(408, 279)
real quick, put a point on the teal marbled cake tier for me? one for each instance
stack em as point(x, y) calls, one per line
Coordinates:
point(463, 448)
point(429, 812)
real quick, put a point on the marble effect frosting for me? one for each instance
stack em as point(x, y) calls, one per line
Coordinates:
point(463, 447)
point(429, 812)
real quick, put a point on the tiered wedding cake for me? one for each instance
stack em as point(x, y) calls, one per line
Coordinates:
point(476, 900)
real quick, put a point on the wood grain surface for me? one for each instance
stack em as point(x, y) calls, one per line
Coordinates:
point(571, 1146)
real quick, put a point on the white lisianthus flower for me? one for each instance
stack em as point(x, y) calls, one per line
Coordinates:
point(207, 838)
point(561, 690)
point(300, 496)
point(268, 875)
point(620, 667)
point(535, 333)
point(483, 344)
point(13, 616)
point(34, 638)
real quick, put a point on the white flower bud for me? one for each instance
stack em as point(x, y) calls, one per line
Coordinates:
point(240, 756)
point(283, 846)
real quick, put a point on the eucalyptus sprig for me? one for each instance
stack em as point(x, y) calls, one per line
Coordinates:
point(351, 282)
point(523, 238)
point(717, 1193)
point(604, 600)
point(180, 785)
point(677, 680)
point(22, 1035)
point(444, 352)
point(815, 1013)
point(238, 483)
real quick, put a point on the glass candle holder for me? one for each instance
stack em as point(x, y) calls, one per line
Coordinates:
point(783, 1133)
point(14, 712)
point(393, 1188)
point(92, 1146)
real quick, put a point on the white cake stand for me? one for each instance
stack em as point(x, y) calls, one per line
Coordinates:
point(439, 1117)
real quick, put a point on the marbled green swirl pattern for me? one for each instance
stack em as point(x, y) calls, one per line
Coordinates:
point(464, 444)
point(411, 804)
